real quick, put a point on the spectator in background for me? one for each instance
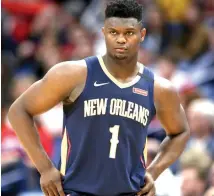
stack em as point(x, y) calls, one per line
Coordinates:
point(194, 171)
point(20, 83)
point(200, 115)
point(154, 40)
point(13, 169)
point(194, 39)
point(166, 67)
point(26, 58)
point(93, 16)
point(92, 19)
point(174, 10)
point(22, 14)
point(48, 51)
point(202, 68)
point(209, 192)
point(174, 15)
point(81, 41)
point(211, 175)
point(75, 7)
point(171, 188)
point(206, 60)
point(45, 20)
point(7, 70)
point(207, 8)
point(188, 93)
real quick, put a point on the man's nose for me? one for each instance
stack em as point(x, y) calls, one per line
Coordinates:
point(121, 39)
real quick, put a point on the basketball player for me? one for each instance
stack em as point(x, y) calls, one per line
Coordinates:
point(109, 102)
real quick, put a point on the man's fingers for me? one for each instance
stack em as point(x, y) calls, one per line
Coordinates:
point(60, 189)
point(53, 188)
point(151, 193)
point(149, 186)
point(145, 189)
point(50, 192)
point(44, 191)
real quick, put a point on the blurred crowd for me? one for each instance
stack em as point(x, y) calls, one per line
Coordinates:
point(179, 45)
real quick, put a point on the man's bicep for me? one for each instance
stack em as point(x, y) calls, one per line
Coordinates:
point(40, 97)
point(173, 122)
point(170, 111)
point(52, 89)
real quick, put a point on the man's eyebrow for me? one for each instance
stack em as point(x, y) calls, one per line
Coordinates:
point(131, 29)
point(111, 28)
point(128, 28)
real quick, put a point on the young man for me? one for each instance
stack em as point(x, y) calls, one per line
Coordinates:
point(109, 102)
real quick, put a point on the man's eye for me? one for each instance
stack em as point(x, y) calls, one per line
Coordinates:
point(130, 33)
point(113, 32)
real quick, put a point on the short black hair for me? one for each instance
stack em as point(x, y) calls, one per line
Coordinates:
point(124, 9)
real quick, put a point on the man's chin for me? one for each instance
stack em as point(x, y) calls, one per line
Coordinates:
point(120, 56)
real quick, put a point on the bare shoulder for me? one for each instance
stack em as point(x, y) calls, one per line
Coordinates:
point(74, 72)
point(168, 106)
point(164, 91)
point(53, 88)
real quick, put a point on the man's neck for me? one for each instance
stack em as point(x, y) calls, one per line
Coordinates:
point(121, 69)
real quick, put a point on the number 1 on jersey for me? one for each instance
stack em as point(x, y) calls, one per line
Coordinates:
point(114, 141)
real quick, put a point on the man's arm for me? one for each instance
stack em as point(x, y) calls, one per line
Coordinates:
point(40, 97)
point(172, 117)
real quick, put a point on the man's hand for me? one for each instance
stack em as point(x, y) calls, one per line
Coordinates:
point(149, 187)
point(51, 182)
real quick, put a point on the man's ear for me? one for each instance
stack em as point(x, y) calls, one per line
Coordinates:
point(143, 34)
point(103, 30)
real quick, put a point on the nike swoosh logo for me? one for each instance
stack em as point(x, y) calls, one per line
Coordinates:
point(100, 84)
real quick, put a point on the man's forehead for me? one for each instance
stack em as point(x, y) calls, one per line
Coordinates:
point(121, 22)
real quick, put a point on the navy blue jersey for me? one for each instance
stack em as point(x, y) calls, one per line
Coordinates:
point(105, 132)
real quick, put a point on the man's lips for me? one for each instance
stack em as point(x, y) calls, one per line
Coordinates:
point(121, 49)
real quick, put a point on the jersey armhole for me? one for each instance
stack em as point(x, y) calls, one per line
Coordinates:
point(149, 76)
point(153, 99)
point(68, 108)
point(88, 78)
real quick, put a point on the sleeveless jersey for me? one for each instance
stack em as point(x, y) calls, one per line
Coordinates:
point(104, 133)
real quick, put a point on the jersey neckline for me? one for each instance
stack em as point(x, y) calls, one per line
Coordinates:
point(114, 80)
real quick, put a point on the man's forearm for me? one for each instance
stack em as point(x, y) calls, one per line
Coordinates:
point(171, 148)
point(26, 132)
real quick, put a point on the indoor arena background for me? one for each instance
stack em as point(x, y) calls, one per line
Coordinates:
point(179, 45)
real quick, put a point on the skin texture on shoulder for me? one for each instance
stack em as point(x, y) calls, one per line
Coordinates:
point(168, 106)
point(54, 87)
